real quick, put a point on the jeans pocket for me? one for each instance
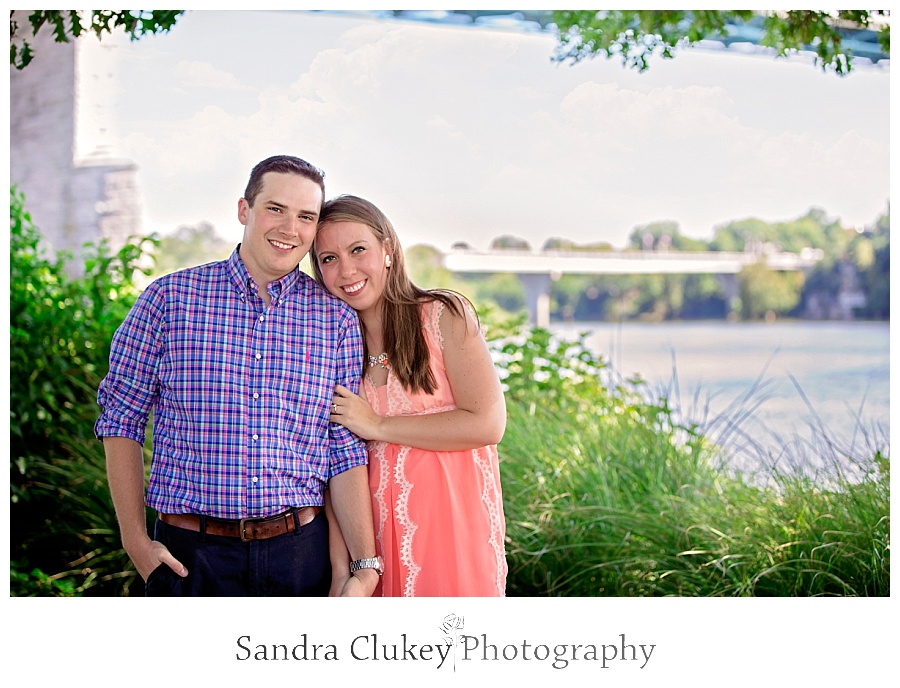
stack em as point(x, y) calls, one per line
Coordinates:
point(163, 582)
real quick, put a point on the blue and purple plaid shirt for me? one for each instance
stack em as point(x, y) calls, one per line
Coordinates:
point(240, 394)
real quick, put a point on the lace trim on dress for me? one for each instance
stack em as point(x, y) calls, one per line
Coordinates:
point(409, 528)
point(492, 499)
point(433, 322)
point(383, 479)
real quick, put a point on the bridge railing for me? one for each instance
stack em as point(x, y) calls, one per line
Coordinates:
point(623, 261)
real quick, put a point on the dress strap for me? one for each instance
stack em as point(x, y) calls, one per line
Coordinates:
point(432, 311)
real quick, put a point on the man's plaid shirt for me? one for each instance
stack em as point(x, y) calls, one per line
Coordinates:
point(240, 394)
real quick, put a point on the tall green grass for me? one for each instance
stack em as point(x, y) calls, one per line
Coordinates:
point(607, 492)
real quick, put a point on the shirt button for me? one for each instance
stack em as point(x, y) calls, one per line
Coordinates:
point(255, 479)
point(261, 318)
point(255, 437)
point(256, 396)
point(258, 356)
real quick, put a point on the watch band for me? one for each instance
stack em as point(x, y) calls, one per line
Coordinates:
point(376, 563)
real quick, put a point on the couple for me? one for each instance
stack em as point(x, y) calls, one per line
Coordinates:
point(276, 469)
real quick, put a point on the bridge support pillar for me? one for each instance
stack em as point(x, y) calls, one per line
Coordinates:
point(729, 284)
point(537, 297)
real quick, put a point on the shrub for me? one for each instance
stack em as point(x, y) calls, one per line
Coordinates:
point(60, 331)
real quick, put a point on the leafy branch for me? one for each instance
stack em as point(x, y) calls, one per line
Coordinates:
point(635, 35)
point(68, 24)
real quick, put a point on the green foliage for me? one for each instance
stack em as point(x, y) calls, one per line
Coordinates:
point(558, 244)
point(812, 230)
point(189, 246)
point(561, 373)
point(822, 32)
point(765, 292)
point(425, 267)
point(607, 492)
point(504, 290)
point(510, 242)
point(877, 276)
point(60, 331)
point(634, 35)
point(644, 297)
point(68, 24)
point(36, 583)
point(493, 293)
point(664, 236)
point(740, 235)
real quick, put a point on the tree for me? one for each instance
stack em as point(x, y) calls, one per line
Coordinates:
point(870, 253)
point(663, 235)
point(559, 244)
point(509, 242)
point(68, 24)
point(188, 246)
point(427, 270)
point(634, 35)
point(767, 293)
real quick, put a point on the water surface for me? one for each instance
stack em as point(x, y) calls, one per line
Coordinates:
point(760, 382)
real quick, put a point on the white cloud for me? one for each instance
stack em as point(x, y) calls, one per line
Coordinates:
point(468, 134)
point(204, 75)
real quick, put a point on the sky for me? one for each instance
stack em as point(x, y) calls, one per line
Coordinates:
point(467, 134)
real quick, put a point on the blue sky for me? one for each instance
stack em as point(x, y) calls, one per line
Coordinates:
point(464, 134)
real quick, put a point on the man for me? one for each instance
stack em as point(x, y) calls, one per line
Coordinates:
point(237, 361)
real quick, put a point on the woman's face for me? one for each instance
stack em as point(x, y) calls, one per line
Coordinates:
point(353, 263)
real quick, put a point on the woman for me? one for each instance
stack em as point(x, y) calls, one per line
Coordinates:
point(431, 407)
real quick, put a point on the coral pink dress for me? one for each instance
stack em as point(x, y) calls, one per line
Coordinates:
point(438, 514)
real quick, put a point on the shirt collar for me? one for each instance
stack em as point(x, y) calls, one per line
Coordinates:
point(245, 284)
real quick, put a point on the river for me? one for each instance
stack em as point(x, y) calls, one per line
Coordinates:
point(766, 386)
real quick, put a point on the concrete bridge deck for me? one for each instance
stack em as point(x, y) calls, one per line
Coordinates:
point(622, 262)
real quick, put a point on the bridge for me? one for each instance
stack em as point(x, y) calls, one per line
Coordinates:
point(745, 37)
point(537, 270)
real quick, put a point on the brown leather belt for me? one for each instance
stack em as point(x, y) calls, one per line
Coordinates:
point(246, 529)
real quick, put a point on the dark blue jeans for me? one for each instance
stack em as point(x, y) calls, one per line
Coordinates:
point(293, 564)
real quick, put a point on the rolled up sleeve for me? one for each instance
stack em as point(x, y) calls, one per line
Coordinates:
point(127, 393)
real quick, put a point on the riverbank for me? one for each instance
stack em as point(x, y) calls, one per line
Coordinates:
point(610, 493)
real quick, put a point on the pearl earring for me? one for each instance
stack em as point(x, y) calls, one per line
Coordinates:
point(387, 261)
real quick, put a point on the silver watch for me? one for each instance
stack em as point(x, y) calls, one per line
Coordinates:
point(376, 563)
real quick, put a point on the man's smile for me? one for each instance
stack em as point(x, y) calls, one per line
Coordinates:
point(281, 245)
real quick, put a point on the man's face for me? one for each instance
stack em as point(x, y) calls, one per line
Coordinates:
point(281, 225)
